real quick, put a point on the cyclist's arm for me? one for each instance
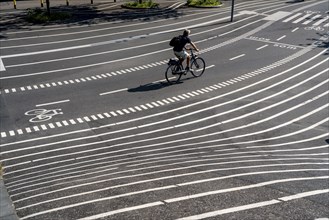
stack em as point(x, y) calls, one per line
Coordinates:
point(194, 46)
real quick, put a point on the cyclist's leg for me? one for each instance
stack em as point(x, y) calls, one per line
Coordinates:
point(188, 59)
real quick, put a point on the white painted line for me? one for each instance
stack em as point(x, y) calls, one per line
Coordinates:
point(47, 51)
point(295, 29)
point(113, 113)
point(126, 111)
point(107, 115)
point(128, 58)
point(3, 134)
point(65, 123)
point(138, 108)
point(103, 215)
point(235, 91)
point(280, 38)
point(254, 205)
point(312, 19)
point(52, 103)
point(259, 48)
point(43, 127)
point(302, 18)
point(86, 119)
point(305, 194)
point(230, 210)
point(59, 124)
point(211, 66)
point(292, 17)
point(115, 91)
point(320, 21)
point(119, 112)
point(100, 116)
point(2, 67)
point(277, 16)
point(237, 57)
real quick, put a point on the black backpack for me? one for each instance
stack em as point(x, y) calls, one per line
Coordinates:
point(175, 41)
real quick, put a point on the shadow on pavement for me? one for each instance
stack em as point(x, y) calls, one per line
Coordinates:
point(149, 87)
point(86, 14)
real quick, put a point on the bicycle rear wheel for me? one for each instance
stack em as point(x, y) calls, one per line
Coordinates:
point(197, 67)
point(173, 73)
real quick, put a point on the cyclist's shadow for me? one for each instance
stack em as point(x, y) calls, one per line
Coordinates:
point(149, 87)
point(154, 86)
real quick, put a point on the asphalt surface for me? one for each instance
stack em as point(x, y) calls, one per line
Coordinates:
point(90, 129)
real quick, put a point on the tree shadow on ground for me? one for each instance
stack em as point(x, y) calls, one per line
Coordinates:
point(86, 15)
point(295, 1)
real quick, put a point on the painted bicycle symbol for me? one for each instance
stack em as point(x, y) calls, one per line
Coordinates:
point(43, 114)
point(314, 28)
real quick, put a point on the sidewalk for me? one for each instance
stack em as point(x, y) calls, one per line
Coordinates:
point(7, 211)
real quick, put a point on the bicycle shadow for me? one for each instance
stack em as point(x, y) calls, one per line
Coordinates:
point(156, 85)
point(149, 87)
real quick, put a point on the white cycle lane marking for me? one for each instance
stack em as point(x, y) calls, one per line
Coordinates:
point(42, 115)
point(168, 100)
point(2, 66)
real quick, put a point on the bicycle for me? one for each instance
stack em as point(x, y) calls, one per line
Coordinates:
point(175, 68)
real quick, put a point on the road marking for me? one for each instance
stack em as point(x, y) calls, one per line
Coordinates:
point(280, 38)
point(272, 42)
point(2, 67)
point(277, 16)
point(321, 21)
point(115, 91)
point(302, 18)
point(259, 48)
point(292, 17)
point(254, 205)
point(52, 103)
point(295, 29)
point(102, 215)
point(279, 63)
point(312, 19)
point(128, 58)
point(237, 57)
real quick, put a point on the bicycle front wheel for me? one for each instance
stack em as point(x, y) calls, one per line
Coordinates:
point(197, 67)
point(173, 74)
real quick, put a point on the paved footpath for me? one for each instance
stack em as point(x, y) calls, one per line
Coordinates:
point(7, 210)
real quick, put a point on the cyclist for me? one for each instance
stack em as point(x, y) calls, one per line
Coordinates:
point(179, 49)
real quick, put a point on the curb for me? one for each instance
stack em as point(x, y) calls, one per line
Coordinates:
point(7, 209)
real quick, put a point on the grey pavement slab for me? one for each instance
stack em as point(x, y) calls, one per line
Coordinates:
point(7, 210)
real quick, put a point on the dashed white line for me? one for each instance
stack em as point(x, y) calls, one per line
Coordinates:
point(295, 29)
point(259, 48)
point(292, 17)
point(115, 91)
point(237, 57)
point(52, 103)
point(280, 38)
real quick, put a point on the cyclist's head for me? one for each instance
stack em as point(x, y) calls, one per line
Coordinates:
point(186, 32)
